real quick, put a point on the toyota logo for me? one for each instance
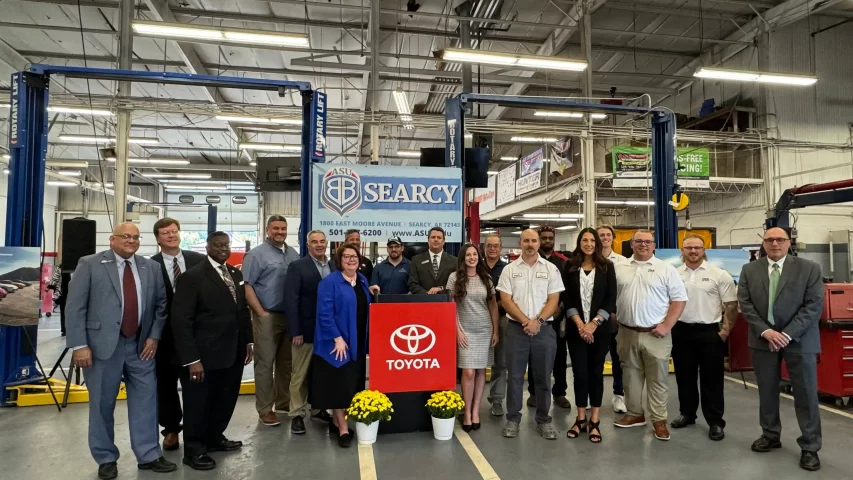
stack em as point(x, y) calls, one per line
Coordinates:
point(416, 339)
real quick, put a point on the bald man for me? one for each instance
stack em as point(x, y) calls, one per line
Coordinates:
point(116, 312)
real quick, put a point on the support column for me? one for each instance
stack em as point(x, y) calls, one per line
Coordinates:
point(125, 62)
point(375, 40)
point(464, 10)
point(762, 122)
point(590, 212)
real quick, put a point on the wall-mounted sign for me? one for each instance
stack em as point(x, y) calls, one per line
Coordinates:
point(528, 183)
point(317, 145)
point(531, 163)
point(632, 166)
point(486, 196)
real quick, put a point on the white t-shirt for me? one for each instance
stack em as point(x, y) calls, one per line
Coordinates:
point(645, 290)
point(529, 286)
point(708, 287)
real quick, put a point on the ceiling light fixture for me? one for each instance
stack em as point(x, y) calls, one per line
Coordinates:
point(409, 153)
point(492, 172)
point(176, 175)
point(553, 215)
point(509, 159)
point(219, 35)
point(209, 182)
point(70, 173)
point(459, 55)
point(533, 139)
point(153, 161)
point(760, 77)
point(107, 140)
point(269, 147)
point(622, 202)
point(60, 163)
point(553, 114)
point(277, 121)
point(81, 111)
point(403, 108)
point(57, 183)
point(567, 227)
point(5, 171)
point(6, 156)
point(195, 187)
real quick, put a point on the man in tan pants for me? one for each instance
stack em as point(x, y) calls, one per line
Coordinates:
point(264, 270)
point(651, 298)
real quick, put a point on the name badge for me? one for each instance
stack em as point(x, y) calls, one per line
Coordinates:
point(541, 275)
point(706, 279)
point(424, 262)
point(516, 275)
point(241, 282)
point(651, 270)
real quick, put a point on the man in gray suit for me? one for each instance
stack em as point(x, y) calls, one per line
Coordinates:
point(430, 270)
point(781, 296)
point(116, 311)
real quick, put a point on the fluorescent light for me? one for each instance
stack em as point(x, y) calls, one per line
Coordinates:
point(101, 140)
point(101, 185)
point(286, 121)
point(153, 161)
point(209, 182)
point(459, 55)
point(253, 164)
point(59, 163)
point(509, 159)
point(5, 105)
point(533, 139)
point(70, 173)
point(409, 153)
point(492, 172)
point(276, 121)
point(553, 215)
point(6, 156)
point(403, 107)
point(56, 183)
point(81, 111)
point(622, 202)
point(567, 227)
point(761, 77)
point(5, 171)
point(546, 113)
point(269, 147)
point(241, 36)
point(195, 187)
point(469, 136)
point(176, 175)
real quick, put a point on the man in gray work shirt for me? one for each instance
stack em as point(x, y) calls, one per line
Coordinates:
point(264, 270)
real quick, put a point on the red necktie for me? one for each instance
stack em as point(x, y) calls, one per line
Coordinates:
point(130, 315)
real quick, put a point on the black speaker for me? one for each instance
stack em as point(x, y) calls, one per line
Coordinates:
point(627, 251)
point(78, 240)
point(476, 167)
point(413, 249)
point(432, 157)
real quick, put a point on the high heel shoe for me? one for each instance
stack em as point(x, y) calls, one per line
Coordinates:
point(594, 437)
point(475, 425)
point(467, 428)
point(581, 423)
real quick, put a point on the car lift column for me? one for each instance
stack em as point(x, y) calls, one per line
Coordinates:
point(125, 62)
point(663, 179)
point(590, 211)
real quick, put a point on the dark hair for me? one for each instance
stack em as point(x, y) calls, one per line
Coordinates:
point(577, 257)
point(436, 229)
point(217, 234)
point(163, 223)
point(460, 288)
point(276, 218)
point(546, 228)
point(339, 253)
point(351, 231)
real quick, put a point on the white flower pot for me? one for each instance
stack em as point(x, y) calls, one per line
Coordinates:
point(366, 434)
point(442, 428)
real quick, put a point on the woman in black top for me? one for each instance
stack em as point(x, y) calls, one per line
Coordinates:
point(589, 298)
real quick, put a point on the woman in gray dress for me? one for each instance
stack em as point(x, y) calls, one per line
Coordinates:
point(476, 328)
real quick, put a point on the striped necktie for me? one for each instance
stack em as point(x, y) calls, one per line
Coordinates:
point(176, 271)
point(774, 285)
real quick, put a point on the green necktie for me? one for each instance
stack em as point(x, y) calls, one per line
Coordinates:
point(774, 285)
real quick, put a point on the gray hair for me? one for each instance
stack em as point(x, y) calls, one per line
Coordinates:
point(494, 235)
point(312, 232)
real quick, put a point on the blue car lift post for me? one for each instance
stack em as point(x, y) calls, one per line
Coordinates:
point(663, 146)
point(28, 130)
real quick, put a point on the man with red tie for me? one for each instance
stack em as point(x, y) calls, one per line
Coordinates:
point(116, 311)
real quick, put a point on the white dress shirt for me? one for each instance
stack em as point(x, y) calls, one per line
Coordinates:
point(169, 263)
point(770, 263)
point(708, 288)
point(587, 282)
point(645, 290)
point(529, 286)
point(436, 257)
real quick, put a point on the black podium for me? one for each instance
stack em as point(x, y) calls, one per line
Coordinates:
point(410, 413)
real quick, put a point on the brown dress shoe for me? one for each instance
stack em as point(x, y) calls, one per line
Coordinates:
point(531, 401)
point(562, 402)
point(629, 421)
point(269, 419)
point(661, 432)
point(171, 442)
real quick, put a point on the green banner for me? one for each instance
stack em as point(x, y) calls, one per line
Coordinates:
point(694, 162)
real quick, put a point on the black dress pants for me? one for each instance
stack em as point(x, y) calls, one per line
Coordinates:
point(169, 412)
point(698, 351)
point(208, 406)
point(588, 365)
point(560, 385)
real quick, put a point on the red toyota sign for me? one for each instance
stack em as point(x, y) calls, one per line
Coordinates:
point(412, 347)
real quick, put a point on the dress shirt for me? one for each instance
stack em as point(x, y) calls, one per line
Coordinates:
point(322, 267)
point(529, 286)
point(121, 266)
point(169, 262)
point(646, 290)
point(770, 263)
point(587, 283)
point(437, 257)
point(708, 288)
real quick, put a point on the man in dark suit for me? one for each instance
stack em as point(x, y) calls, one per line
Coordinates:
point(213, 336)
point(300, 301)
point(429, 270)
point(365, 266)
point(781, 296)
point(173, 262)
point(116, 311)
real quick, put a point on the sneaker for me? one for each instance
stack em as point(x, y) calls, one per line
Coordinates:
point(619, 404)
point(510, 430)
point(297, 426)
point(269, 419)
point(547, 431)
point(629, 421)
point(497, 409)
point(661, 432)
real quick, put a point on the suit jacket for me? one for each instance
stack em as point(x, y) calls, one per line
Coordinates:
point(337, 311)
point(166, 349)
point(603, 292)
point(796, 310)
point(94, 307)
point(420, 273)
point(208, 324)
point(300, 297)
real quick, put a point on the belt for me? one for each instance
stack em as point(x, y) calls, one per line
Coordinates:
point(637, 329)
point(697, 325)
point(516, 321)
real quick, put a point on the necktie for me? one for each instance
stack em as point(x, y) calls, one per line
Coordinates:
point(774, 285)
point(130, 311)
point(226, 277)
point(434, 266)
point(176, 271)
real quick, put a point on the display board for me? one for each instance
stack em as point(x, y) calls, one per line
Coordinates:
point(531, 173)
point(506, 186)
point(486, 196)
point(20, 285)
point(385, 202)
point(732, 261)
point(631, 166)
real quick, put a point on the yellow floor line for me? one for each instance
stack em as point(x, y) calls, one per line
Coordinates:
point(476, 456)
point(366, 463)
point(785, 395)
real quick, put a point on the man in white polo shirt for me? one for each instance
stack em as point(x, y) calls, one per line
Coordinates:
point(530, 291)
point(651, 299)
point(698, 339)
point(606, 234)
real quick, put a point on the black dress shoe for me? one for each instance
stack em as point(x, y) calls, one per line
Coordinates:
point(475, 425)
point(765, 444)
point(108, 471)
point(200, 462)
point(716, 433)
point(809, 461)
point(297, 426)
point(345, 440)
point(334, 431)
point(225, 446)
point(467, 428)
point(681, 422)
point(161, 465)
point(322, 416)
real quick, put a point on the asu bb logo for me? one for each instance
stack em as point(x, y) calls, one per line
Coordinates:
point(341, 190)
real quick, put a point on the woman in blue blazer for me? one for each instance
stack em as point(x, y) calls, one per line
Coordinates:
point(340, 340)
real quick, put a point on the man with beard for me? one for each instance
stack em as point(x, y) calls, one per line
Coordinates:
point(392, 275)
point(606, 234)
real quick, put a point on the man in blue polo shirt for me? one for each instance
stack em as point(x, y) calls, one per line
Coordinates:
point(392, 275)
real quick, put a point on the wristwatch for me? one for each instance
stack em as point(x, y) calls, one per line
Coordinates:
point(598, 321)
point(542, 321)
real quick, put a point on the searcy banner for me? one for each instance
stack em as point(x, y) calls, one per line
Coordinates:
point(385, 202)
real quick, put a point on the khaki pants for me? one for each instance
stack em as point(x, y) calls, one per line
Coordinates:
point(299, 381)
point(645, 362)
point(272, 363)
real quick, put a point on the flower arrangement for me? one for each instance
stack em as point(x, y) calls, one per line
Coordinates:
point(369, 406)
point(446, 404)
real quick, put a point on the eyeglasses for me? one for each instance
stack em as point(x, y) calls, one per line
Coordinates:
point(693, 248)
point(776, 240)
point(642, 242)
point(128, 236)
point(349, 257)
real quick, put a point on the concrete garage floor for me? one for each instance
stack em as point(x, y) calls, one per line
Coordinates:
point(39, 443)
